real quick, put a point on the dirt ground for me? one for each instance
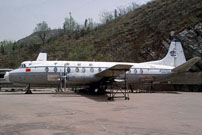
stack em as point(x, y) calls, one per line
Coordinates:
point(48, 113)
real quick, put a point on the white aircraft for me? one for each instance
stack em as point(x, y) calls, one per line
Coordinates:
point(97, 75)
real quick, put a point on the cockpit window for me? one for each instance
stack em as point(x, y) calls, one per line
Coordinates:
point(22, 66)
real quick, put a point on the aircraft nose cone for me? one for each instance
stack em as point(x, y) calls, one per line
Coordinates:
point(6, 76)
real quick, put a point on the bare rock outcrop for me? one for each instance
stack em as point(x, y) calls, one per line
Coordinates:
point(192, 43)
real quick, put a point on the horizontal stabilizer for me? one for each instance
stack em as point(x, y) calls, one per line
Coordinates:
point(187, 65)
point(114, 71)
point(119, 80)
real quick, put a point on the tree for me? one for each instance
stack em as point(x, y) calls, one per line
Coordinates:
point(2, 49)
point(134, 6)
point(89, 24)
point(6, 47)
point(115, 14)
point(70, 24)
point(122, 11)
point(42, 29)
point(85, 23)
point(106, 17)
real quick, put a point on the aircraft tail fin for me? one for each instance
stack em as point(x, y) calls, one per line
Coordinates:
point(187, 65)
point(42, 56)
point(174, 57)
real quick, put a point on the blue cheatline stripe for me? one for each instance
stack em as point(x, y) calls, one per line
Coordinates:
point(128, 74)
point(95, 67)
point(175, 40)
point(66, 66)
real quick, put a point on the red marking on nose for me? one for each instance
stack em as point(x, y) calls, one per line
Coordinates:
point(28, 69)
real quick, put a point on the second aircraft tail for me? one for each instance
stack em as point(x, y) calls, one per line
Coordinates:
point(42, 56)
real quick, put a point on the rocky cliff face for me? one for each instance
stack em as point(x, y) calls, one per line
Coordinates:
point(192, 43)
point(191, 39)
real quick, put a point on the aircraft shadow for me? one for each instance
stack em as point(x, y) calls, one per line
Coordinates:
point(60, 94)
point(95, 97)
point(167, 92)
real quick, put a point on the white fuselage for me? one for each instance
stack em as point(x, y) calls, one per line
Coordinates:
point(80, 73)
point(85, 73)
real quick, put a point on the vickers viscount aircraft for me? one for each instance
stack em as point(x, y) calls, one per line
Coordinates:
point(97, 75)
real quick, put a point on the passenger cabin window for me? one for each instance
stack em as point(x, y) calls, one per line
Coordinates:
point(83, 70)
point(99, 69)
point(91, 70)
point(46, 69)
point(55, 69)
point(76, 69)
point(135, 71)
point(141, 71)
point(68, 70)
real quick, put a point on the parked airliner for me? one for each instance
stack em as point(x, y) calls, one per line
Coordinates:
point(96, 75)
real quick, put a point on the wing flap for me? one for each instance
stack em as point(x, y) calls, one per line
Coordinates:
point(187, 65)
point(115, 70)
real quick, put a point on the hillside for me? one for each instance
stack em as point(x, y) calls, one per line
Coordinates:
point(141, 35)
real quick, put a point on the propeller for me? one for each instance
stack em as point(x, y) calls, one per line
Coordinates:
point(60, 85)
point(65, 76)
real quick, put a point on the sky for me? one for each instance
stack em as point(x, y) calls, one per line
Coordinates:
point(18, 18)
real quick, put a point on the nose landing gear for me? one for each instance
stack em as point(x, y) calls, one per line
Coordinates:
point(28, 90)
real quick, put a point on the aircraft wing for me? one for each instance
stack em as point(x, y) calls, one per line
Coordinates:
point(115, 70)
point(187, 65)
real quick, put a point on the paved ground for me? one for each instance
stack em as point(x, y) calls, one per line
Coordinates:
point(47, 113)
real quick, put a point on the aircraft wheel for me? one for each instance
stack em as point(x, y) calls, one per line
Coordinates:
point(110, 99)
point(28, 92)
point(101, 91)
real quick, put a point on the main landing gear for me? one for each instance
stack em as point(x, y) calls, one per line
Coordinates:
point(28, 90)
